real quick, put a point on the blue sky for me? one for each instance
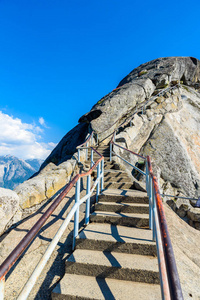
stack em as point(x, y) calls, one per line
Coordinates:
point(58, 58)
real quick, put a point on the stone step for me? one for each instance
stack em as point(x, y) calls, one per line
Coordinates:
point(107, 237)
point(121, 179)
point(124, 185)
point(112, 172)
point(123, 196)
point(82, 287)
point(125, 219)
point(122, 266)
point(105, 154)
point(139, 208)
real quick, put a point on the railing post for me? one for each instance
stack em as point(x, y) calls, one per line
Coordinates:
point(98, 183)
point(97, 138)
point(114, 136)
point(102, 174)
point(76, 215)
point(87, 209)
point(153, 216)
point(2, 287)
point(79, 154)
point(87, 151)
point(110, 152)
point(150, 202)
point(147, 178)
point(91, 164)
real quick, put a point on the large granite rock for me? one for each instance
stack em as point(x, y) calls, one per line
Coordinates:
point(10, 212)
point(109, 112)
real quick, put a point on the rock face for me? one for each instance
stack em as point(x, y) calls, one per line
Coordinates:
point(138, 86)
point(9, 209)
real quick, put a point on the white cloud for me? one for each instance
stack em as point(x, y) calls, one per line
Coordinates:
point(41, 121)
point(21, 139)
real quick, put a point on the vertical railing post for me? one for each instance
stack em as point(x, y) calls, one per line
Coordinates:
point(147, 178)
point(153, 216)
point(79, 154)
point(102, 174)
point(87, 209)
point(87, 151)
point(150, 203)
point(98, 182)
point(110, 152)
point(114, 136)
point(76, 215)
point(2, 288)
point(91, 164)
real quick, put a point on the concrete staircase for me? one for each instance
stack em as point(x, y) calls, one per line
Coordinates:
point(115, 257)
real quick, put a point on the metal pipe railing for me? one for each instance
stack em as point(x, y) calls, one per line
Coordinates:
point(25, 242)
point(173, 277)
point(169, 278)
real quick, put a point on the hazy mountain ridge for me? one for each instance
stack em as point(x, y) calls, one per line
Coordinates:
point(14, 171)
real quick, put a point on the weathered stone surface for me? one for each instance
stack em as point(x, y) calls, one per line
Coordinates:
point(43, 186)
point(138, 86)
point(9, 209)
point(185, 243)
point(194, 214)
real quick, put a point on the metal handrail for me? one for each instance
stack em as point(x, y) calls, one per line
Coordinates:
point(25, 242)
point(169, 278)
point(173, 277)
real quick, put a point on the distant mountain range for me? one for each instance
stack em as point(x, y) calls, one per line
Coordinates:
point(14, 171)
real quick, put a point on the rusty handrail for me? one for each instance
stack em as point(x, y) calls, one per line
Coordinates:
point(22, 246)
point(173, 277)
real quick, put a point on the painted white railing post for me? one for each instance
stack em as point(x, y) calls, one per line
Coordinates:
point(110, 152)
point(91, 164)
point(102, 174)
point(98, 183)
point(87, 151)
point(76, 215)
point(87, 209)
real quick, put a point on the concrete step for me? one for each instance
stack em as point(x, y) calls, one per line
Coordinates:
point(123, 196)
point(122, 266)
point(106, 237)
point(125, 219)
point(139, 208)
point(121, 179)
point(124, 185)
point(81, 287)
point(112, 172)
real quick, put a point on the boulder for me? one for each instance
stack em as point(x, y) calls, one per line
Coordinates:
point(50, 180)
point(10, 212)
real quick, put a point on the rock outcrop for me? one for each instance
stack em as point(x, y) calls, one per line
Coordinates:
point(10, 212)
point(137, 87)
